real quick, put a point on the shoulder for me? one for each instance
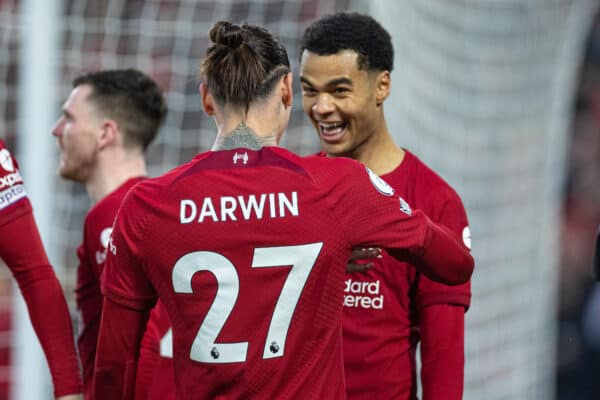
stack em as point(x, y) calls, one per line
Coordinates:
point(427, 182)
point(321, 169)
point(333, 167)
point(105, 210)
point(434, 196)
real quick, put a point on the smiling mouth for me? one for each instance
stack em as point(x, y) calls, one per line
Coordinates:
point(332, 131)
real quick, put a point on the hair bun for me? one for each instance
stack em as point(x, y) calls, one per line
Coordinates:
point(227, 34)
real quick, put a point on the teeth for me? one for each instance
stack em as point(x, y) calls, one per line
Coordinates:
point(332, 125)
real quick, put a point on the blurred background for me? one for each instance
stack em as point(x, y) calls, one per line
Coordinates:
point(501, 97)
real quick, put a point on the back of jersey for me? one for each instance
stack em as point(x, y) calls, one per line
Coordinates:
point(244, 251)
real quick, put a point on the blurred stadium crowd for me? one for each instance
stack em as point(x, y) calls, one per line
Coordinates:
point(579, 312)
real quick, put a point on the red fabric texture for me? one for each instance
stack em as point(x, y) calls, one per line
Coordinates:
point(237, 210)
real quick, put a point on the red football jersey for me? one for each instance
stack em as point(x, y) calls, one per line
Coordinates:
point(381, 306)
point(247, 250)
point(92, 254)
point(22, 250)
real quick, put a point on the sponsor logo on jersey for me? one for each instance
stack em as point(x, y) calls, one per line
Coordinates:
point(381, 185)
point(6, 160)
point(466, 236)
point(104, 240)
point(361, 294)
point(12, 195)
point(404, 207)
point(10, 179)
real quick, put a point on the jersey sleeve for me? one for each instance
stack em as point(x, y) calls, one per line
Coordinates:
point(149, 357)
point(376, 216)
point(13, 198)
point(447, 210)
point(124, 280)
point(121, 330)
point(22, 250)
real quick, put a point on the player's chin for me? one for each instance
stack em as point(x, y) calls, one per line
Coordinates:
point(335, 149)
point(71, 174)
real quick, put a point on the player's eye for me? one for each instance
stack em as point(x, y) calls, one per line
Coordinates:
point(306, 90)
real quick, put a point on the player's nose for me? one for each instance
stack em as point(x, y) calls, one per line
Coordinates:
point(323, 104)
point(57, 130)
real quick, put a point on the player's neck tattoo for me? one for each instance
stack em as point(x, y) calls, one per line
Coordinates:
point(243, 136)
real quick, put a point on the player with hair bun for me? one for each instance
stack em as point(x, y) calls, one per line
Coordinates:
point(246, 245)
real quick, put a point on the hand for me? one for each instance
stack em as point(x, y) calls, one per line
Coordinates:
point(362, 254)
point(70, 397)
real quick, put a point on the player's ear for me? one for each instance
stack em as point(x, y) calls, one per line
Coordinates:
point(207, 100)
point(287, 95)
point(383, 86)
point(109, 133)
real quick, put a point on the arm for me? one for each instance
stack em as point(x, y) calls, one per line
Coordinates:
point(441, 312)
point(380, 218)
point(128, 298)
point(444, 258)
point(121, 331)
point(436, 251)
point(442, 351)
point(45, 300)
point(149, 357)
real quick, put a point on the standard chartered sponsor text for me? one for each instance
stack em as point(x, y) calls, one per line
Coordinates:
point(360, 294)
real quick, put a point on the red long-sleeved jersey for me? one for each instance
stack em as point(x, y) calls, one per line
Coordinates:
point(22, 250)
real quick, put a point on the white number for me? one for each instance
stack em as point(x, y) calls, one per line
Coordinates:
point(228, 287)
point(166, 344)
point(301, 258)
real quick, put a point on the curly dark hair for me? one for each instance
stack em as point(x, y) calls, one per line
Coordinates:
point(351, 31)
point(243, 64)
point(129, 97)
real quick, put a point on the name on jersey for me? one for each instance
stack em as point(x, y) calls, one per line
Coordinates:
point(234, 208)
point(11, 195)
point(360, 294)
point(10, 179)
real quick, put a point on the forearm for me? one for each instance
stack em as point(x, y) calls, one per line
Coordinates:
point(148, 362)
point(50, 319)
point(45, 302)
point(442, 351)
point(121, 331)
